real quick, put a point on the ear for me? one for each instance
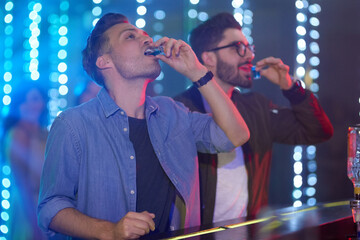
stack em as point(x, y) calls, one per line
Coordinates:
point(102, 62)
point(209, 59)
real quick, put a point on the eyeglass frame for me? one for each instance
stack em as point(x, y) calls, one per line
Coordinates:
point(237, 45)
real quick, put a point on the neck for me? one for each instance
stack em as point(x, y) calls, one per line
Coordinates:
point(130, 96)
point(227, 88)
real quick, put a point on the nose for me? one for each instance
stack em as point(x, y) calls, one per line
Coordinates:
point(249, 55)
point(147, 40)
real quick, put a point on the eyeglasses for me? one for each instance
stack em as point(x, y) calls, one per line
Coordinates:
point(240, 48)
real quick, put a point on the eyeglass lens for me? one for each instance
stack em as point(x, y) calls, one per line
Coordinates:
point(241, 48)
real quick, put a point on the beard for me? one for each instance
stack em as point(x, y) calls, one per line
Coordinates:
point(130, 69)
point(232, 75)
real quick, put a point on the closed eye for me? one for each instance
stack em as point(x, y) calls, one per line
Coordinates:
point(130, 36)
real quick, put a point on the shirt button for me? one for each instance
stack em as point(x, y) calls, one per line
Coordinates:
point(122, 113)
point(125, 129)
point(132, 191)
point(131, 157)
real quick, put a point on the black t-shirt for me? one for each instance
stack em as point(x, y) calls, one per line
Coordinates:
point(155, 192)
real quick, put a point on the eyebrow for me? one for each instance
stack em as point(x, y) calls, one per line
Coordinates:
point(245, 44)
point(237, 42)
point(132, 29)
point(127, 30)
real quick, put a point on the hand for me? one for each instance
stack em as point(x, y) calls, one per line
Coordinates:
point(276, 71)
point(134, 225)
point(181, 57)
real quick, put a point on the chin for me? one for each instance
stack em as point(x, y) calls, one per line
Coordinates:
point(242, 83)
point(152, 76)
point(152, 72)
point(247, 83)
point(156, 73)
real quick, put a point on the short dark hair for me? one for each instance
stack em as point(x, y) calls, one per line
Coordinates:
point(97, 42)
point(208, 34)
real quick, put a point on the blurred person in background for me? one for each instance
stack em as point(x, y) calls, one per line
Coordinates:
point(23, 143)
point(86, 91)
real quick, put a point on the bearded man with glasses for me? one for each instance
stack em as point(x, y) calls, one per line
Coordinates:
point(236, 184)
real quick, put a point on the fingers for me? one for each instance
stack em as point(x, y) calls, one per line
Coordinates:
point(171, 46)
point(178, 44)
point(133, 225)
point(143, 220)
point(270, 64)
point(148, 217)
point(271, 61)
point(275, 71)
point(268, 60)
point(180, 57)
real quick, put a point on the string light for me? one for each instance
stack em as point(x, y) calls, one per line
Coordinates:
point(31, 44)
point(307, 61)
point(244, 16)
point(194, 18)
point(7, 66)
point(58, 30)
point(158, 27)
point(7, 78)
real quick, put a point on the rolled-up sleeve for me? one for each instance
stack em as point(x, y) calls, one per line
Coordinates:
point(59, 180)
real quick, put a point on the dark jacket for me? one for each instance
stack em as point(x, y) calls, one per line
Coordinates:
point(304, 123)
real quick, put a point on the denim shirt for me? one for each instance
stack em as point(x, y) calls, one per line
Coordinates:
point(90, 162)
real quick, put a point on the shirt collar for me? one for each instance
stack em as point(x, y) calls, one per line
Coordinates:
point(107, 103)
point(150, 106)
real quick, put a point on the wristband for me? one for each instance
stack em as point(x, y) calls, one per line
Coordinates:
point(204, 80)
point(296, 94)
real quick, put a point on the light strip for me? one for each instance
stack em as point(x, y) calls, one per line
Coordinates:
point(32, 62)
point(245, 17)
point(300, 73)
point(7, 65)
point(158, 27)
point(306, 69)
point(207, 231)
point(58, 76)
point(270, 225)
point(96, 11)
point(6, 72)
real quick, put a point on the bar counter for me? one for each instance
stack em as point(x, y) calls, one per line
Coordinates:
point(323, 221)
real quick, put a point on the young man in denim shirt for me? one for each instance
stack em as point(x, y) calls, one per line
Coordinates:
point(124, 164)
